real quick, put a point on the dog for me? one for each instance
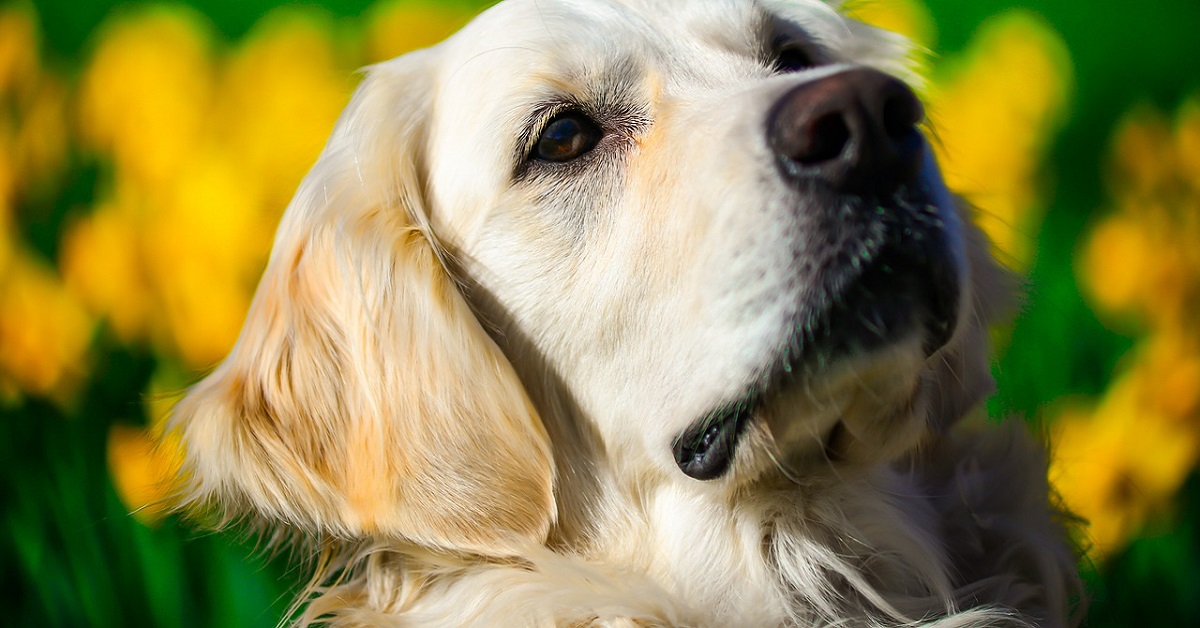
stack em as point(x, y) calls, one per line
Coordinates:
point(633, 313)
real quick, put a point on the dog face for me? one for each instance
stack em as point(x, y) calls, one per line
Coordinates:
point(704, 226)
point(695, 243)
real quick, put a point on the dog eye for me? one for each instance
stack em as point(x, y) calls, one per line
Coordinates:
point(567, 137)
point(793, 59)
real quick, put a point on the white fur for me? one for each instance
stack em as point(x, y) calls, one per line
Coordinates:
point(462, 379)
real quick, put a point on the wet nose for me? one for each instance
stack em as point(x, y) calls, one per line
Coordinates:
point(854, 130)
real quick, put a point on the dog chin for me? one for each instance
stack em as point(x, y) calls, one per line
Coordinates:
point(844, 385)
point(864, 409)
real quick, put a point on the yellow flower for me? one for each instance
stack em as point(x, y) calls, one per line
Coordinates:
point(167, 386)
point(145, 94)
point(41, 138)
point(205, 163)
point(1118, 260)
point(1168, 367)
point(1143, 259)
point(399, 26)
point(35, 136)
point(1187, 142)
point(44, 331)
point(994, 111)
point(1142, 159)
point(205, 248)
point(910, 18)
point(279, 98)
point(102, 262)
point(8, 181)
point(202, 233)
point(144, 462)
point(141, 469)
point(19, 44)
point(20, 73)
point(1120, 462)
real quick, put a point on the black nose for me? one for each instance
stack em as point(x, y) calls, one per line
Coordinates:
point(855, 130)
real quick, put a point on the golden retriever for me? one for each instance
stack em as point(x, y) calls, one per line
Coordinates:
point(633, 312)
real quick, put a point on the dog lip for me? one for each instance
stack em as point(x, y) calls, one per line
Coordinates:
point(897, 292)
point(704, 451)
point(907, 280)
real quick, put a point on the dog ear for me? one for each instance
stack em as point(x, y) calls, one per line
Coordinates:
point(363, 397)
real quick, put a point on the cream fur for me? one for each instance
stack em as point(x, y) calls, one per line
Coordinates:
point(462, 373)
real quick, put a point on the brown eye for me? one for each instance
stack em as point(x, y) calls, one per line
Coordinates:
point(793, 59)
point(567, 137)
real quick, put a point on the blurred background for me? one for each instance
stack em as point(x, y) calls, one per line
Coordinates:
point(147, 151)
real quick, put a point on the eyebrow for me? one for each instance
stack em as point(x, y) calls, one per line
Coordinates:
point(608, 95)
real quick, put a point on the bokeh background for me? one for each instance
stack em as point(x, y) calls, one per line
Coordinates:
point(148, 149)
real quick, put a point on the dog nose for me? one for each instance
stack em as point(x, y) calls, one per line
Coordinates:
point(856, 130)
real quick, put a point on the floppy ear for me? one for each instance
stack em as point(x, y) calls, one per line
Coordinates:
point(363, 396)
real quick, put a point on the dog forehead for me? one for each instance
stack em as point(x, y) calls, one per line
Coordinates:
point(545, 24)
point(529, 51)
point(529, 40)
point(521, 54)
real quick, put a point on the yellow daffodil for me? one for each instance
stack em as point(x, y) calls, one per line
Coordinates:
point(37, 143)
point(279, 98)
point(44, 331)
point(141, 469)
point(1118, 463)
point(146, 93)
point(1169, 373)
point(399, 26)
point(102, 262)
point(1137, 270)
point(205, 160)
point(19, 42)
point(1116, 261)
point(41, 139)
point(8, 181)
point(1142, 258)
point(142, 462)
point(994, 111)
point(1140, 265)
point(19, 74)
point(1187, 142)
point(910, 18)
point(205, 249)
point(1142, 159)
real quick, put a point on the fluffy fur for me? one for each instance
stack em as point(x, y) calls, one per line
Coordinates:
point(464, 369)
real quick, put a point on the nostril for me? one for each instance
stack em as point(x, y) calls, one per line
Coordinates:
point(856, 131)
point(825, 139)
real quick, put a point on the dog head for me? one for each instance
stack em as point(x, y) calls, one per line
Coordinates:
point(710, 237)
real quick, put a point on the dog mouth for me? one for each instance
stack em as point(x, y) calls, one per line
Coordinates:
point(705, 450)
point(902, 277)
point(895, 278)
